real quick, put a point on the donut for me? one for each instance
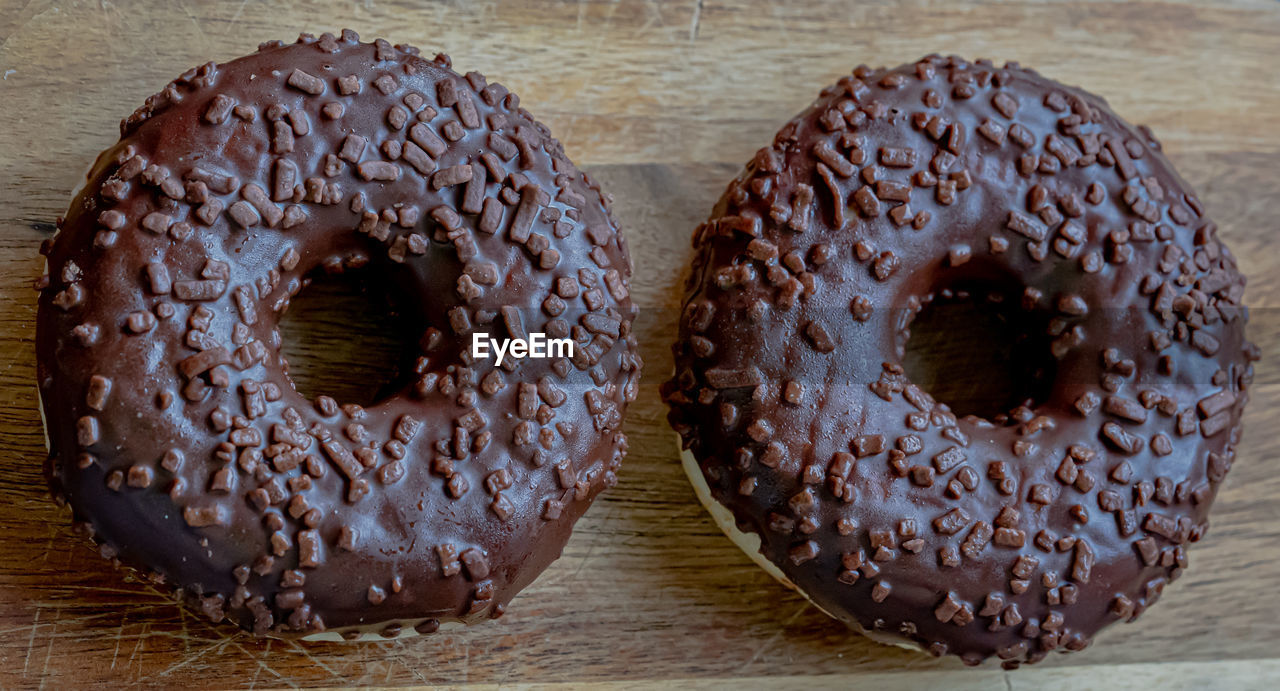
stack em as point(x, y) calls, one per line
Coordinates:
point(176, 436)
point(1010, 534)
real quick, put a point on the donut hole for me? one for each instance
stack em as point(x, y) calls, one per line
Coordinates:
point(973, 348)
point(340, 337)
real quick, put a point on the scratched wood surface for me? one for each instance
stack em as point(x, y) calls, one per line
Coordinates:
point(663, 102)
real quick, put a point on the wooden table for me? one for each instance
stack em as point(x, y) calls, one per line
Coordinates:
point(663, 102)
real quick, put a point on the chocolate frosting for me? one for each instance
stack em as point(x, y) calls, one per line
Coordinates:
point(175, 434)
point(1012, 536)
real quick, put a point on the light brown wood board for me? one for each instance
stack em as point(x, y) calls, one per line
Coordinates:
point(662, 102)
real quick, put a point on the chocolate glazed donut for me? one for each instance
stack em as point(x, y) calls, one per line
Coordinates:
point(175, 433)
point(1012, 536)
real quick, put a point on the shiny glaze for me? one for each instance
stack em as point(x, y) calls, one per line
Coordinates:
point(439, 502)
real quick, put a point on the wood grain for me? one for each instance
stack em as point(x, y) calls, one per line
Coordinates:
point(662, 102)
